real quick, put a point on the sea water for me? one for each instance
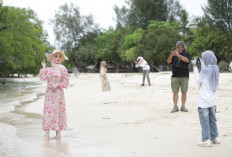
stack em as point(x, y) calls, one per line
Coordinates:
point(12, 94)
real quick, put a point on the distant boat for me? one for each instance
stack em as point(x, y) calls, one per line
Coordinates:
point(90, 67)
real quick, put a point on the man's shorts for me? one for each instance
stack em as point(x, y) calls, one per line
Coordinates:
point(178, 82)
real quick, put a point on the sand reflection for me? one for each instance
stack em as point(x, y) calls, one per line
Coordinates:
point(55, 147)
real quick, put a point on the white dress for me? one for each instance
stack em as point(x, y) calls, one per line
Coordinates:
point(104, 80)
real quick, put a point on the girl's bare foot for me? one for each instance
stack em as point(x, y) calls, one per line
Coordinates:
point(58, 136)
point(47, 134)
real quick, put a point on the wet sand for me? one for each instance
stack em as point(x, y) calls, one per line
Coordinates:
point(128, 121)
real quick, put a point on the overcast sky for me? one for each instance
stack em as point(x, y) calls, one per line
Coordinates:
point(102, 10)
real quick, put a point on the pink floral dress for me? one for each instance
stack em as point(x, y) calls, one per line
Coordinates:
point(54, 113)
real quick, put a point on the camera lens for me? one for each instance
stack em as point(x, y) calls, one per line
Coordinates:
point(198, 61)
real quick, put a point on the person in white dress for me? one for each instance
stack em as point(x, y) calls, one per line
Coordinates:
point(230, 67)
point(103, 76)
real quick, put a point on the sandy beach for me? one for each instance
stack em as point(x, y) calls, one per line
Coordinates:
point(128, 121)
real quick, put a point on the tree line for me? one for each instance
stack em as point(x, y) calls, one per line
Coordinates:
point(148, 28)
point(23, 42)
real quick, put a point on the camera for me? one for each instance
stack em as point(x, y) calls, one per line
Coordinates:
point(196, 61)
point(173, 48)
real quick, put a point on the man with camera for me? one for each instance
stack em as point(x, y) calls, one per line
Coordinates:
point(180, 74)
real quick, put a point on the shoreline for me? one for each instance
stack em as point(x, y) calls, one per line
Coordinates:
point(12, 122)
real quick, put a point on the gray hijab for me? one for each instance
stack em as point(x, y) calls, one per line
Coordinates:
point(211, 70)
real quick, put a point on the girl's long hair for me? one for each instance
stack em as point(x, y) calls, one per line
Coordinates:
point(102, 65)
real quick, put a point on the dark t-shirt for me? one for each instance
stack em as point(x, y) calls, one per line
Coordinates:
point(180, 68)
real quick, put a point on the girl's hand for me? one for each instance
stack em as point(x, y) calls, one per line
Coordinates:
point(201, 60)
point(177, 54)
point(43, 64)
point(54, 86)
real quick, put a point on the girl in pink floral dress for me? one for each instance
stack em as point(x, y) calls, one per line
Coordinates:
point(54, 113)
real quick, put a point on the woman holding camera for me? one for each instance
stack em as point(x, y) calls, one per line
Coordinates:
point(141, 62)
point(207, 79)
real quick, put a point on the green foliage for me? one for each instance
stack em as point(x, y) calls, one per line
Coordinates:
point(70, 26)
point(85, 54)
point(131, 40)
point(22, 43)
point(220, 13)
point(76, 35)
point(129, 55)
point(157, 41)
point(223, 66)
point(155, 44)
point(108, 44)
point(208, 38)
point(161, 24)
point(148, 28)
point(214, 30)
point(139, 13)
point(121, 17)
point(129, 45)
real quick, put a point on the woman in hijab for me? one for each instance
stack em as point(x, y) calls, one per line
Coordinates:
point(54, 113)
point(103, 76)
point(208, 80)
